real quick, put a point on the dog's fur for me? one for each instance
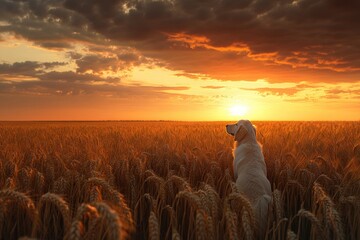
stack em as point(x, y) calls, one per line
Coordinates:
point(250, 170)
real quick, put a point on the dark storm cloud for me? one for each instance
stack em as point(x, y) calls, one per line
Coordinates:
point(29, 68)
point(309, 34)
point(305, 34)
point(45, 22)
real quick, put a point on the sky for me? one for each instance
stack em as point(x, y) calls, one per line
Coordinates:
point(192, 60)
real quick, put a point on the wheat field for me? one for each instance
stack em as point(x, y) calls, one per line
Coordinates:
point(174, 180)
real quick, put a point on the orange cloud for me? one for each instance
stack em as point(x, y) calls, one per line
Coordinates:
point(193, 41)
point(295, 60)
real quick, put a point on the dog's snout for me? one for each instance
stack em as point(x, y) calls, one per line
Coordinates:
point(227, 125)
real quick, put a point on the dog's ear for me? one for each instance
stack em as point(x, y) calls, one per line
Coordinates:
point(240, 134)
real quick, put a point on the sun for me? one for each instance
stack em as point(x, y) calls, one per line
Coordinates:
point(238, 110)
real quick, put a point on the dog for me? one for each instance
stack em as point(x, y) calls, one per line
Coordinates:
point(250, 170)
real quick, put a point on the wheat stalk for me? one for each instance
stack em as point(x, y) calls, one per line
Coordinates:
point(214, 200)
point(24, 177)
point(191, 198)
point(247, 225)
point(332, 216)
point(310, 216)
point(231, 223)
point(180, 182)
point(95, 194)
point(17, 212)
point(242, 203)
point(60, 186)
point(18, 197)
point(277, 204)
point(77, 229)
point(175, 234)
point(154, 230)
point(290, 235)
point(200, 225)
point(10, 183)
point(115, 196)
point(111, 220)
point(59, 203)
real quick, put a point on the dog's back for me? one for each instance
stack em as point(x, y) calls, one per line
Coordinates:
point(251, 180)
point(250, 172)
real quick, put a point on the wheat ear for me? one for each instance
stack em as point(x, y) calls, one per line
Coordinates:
point(60, 204)
point(154, 230)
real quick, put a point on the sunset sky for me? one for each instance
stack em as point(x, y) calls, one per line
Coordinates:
point(179, 60)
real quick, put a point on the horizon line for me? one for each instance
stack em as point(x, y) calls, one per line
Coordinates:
point(163, 120)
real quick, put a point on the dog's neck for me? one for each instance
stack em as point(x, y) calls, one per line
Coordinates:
point(238, 143)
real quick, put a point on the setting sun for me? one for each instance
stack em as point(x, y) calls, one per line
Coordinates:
point(238, 110)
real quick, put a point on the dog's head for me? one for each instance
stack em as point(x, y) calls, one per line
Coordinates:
point(242, 130)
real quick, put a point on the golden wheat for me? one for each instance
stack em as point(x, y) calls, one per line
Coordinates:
point(17, 214)
point(231, 222)
point(330, 215)
point(77, 229)
point(174, 180)
point(312, 218)
point(247, 225)
point(200, 225)
point(17, 197)
point(53, 218)
point(154, 231)
point(111, 221)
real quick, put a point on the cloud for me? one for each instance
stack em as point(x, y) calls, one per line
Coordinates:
point(287, 92)
point(70, 76)
point(47, 87)
point(30, 78)
point(299, 34)
point(310, 93)
point(213, 87)
point(338, 93)
point(114, 62)
point(97, 64)
point(275, 91)
point(27, 68)
point(355, 91)
point(46, 23)
point(228, 39)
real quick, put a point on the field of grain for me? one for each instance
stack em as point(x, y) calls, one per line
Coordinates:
point(174, 180)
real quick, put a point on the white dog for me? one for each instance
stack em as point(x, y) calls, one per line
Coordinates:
point(250, 170)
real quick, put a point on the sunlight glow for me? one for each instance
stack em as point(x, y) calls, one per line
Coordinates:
point(238, 110)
